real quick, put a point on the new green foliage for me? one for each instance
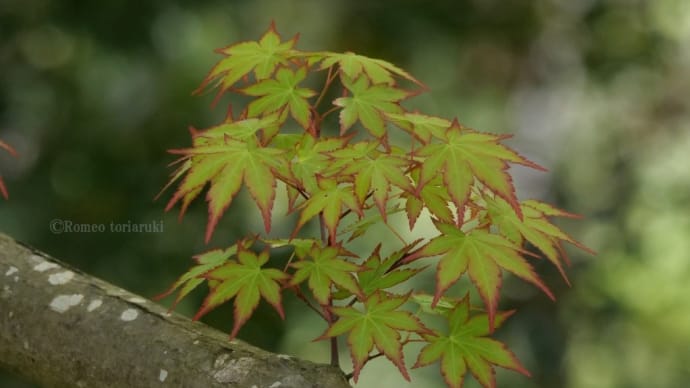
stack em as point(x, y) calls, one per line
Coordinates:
point(346, 185)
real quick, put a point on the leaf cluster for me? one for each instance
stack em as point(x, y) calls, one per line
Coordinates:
point(349, 181)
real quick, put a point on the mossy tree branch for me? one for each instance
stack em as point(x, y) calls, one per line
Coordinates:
point(61, 327)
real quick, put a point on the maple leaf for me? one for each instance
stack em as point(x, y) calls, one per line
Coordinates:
point(276, 94)
point(261, 57)
point(376, 70)
point(464, 154)
point(535, 228)
point(178, 173)
point(246, 281)
point(286, 141)
point(379, 324)
point(467, 347)
point(378, 273)
point(194, 277)
point(329, 200)
point(367, 104)
point(226, 166)
point(433, 195)
point(241, 130)
point(548, 210)
point(482, 255)
point(309, 159)
point(374, 171)
point(421, 126)
point(326, 267)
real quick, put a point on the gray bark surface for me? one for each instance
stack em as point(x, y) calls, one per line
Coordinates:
point(62, 328)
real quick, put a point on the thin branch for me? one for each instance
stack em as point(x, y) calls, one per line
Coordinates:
point(299, 190)
point(292, 256)
point(323, 230)
point(327, 240)
point(335, 361)
point(335, 356)
point(329, 80)
point(335, 108)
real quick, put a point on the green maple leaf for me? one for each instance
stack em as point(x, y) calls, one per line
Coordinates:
point(367, 104)
point(421, 126)
point(226, 166)
point(241, 130)
point(261, 57)
point(378, 275)
point(376, 70)
point(378, 325)
point(194, 277)
point(185, 165)
point(467, 347)
point(433, 196)
point(246, 281)
point(287, 141)
point(465, 154)
point(547, 210)
point(535, 228)
point(328, 200)
point(482, 255)
point(325, 267)
point(309, 158)
point(374, 171)
point(276, 94)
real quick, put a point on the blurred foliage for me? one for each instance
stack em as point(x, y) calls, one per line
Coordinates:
point(93, 93)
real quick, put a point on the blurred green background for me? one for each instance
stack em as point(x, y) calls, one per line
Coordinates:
point(93, 93)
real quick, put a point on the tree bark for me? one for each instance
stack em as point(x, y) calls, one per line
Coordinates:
point(60, 327)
